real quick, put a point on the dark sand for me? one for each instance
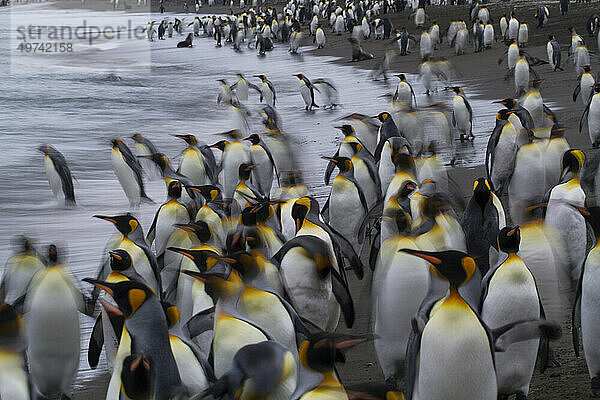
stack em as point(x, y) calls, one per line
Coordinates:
point(479, 73)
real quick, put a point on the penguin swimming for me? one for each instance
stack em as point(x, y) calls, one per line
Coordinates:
point(59, 175)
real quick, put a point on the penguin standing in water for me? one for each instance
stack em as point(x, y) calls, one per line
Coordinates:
point(510, 295)
point(129, 172)
point(264, 165)
point(480, 224)
point(462, 114)
point(404, 92)
point(592, 110)
point(267, 91)
point(585, 305)
point(197, 161)
point(59, 175)
point(145, 331)
point(52, 328)
point(307, 90)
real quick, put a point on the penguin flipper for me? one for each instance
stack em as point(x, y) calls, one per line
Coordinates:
point(152, 231)
point(270, 155)
point(375, 212)
point(412, 358)
point(576, 91)
point(348, 251)
point(330, 167)
point(342, 295)
point(201, 322)
point(587, 110)
point(325, 209)
point(576, 313)
point(520, 331)
point(96, 342)
point(60, 164)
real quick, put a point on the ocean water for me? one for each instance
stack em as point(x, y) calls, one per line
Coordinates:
point(77, 101)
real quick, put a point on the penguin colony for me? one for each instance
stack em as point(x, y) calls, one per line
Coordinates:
point(236, 289)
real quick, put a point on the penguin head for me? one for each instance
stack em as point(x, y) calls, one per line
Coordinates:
point(435, 204)
point(347, 129)
point(137, 377)
point(456, 89)
point(596, 88)
point(572, 162)
point(137, 137)
point(52, 255)
point(402, 77)
point(406, 189)
point(207, 261)
point(221, 144)
point(210, 193)
point(508, 103)
point(322, 350)
point(174, 189)
point(201, 229)
point(299, 76)
point(22, 243)
point(343, 163)
point(551, 37)
point(120, 260)
point(402, 220)
point(482, 192)
point(356, 146)
point(402, 159)
point(223, 82)
point(300, 210)
point(453, 266)
point(587, 68)
point(383, 116)
point(571, 29)
point(261, 77)
point(189, 139)
point(220, 281)
point(254, 138)
point(129, 295)
point(244, 171)
point(45, 148)
point(509, 239)
point(159, 159)
point(115, 143)
point(234, 134)
point(125, 224)
point(504, 114)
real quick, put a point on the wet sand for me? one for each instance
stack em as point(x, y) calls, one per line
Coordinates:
point(478, 73)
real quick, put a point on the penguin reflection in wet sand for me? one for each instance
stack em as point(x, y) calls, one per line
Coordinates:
point(461, 365)
point(307, 90)
point(129, 172)
point(59, 175)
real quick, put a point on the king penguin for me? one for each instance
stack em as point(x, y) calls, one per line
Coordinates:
point(59, 175)
point(129, 172)
point(264, 164)
point(145, 330)
point(307, 90)
point(197, 161)
point(19, 271)
point(53, 329)
point(510, 295)
point(14, 383)
point(234, 154)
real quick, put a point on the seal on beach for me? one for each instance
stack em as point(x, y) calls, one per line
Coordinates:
point(358, 53)
point(187, 42)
